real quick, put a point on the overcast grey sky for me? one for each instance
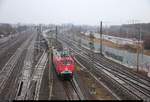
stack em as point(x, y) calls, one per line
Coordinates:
point(74, 11)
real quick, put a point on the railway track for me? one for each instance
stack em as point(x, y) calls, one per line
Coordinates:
point(32, 74)
point(10, 66)
point(9, 48)
point(26, 70)
point(125, 75)
point(124, 69)
point(68, 88)
point(10, 89)
point(113, 81)
point(38, 74)
point(9, 40)
point(139, 89)
point(117, 66)
point(71, 90)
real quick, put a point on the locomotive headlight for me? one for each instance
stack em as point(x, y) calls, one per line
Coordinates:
point(66, 68)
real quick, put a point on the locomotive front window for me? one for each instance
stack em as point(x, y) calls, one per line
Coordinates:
point(64, 53)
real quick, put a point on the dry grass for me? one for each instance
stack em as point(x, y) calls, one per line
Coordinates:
point(147, 52)
point(101, 92)
point(129, 47)
point(141, 72)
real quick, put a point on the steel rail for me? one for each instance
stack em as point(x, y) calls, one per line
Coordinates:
point(88, 58)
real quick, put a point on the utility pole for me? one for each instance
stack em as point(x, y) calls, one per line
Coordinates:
point(138, 48)
point(137, 45)
point(91, 43)
point(38, 35)
point(80, 37)
point(101, 38)
point(56, 35)
point(40, 38)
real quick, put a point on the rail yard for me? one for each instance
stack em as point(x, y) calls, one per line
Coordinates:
point(32, 69)
point(75, 50)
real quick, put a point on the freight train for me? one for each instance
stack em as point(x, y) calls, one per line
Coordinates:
point(63, 63)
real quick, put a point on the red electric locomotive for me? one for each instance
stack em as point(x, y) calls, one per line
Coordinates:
point(64, 63)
